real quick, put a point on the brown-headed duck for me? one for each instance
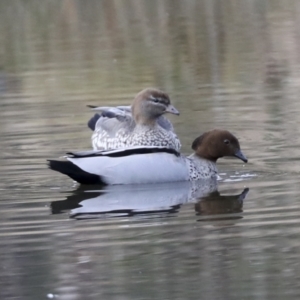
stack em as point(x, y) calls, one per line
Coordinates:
point(150, 164)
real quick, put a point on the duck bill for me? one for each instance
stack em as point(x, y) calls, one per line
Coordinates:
point(239, 154)
point(172, 110)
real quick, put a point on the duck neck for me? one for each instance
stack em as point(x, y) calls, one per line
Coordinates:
point(202, 154)
point(200, 159)
point(145, 122)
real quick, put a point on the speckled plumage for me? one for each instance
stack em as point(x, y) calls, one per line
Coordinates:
point(200, 168)
point(141, 135)
point(143, 124)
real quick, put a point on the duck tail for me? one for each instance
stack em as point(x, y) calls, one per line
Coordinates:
point(74, 172)
point(92, 122)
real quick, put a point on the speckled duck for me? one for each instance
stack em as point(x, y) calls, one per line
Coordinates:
point(142, 124)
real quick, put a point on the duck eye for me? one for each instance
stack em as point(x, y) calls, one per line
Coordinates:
point(155, 99)
point(226, 142)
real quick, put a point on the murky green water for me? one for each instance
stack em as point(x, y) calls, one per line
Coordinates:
point(225, 64)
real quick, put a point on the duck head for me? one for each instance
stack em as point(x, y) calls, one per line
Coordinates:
point(149, 104)
point(218, 143)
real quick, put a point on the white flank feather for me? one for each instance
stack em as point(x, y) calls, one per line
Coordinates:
point(135, 169)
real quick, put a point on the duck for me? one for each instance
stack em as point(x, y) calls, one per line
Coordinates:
point(150, 164)
point(141, 124)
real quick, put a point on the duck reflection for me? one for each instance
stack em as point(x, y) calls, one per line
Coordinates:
point(132, 200)
point(156, 200)
point(216, 204)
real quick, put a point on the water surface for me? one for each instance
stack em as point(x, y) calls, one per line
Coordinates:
point(232, 65)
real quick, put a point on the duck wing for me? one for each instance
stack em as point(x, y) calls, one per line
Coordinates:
point(111, 126)
point(123, 114)
point(110, 118)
